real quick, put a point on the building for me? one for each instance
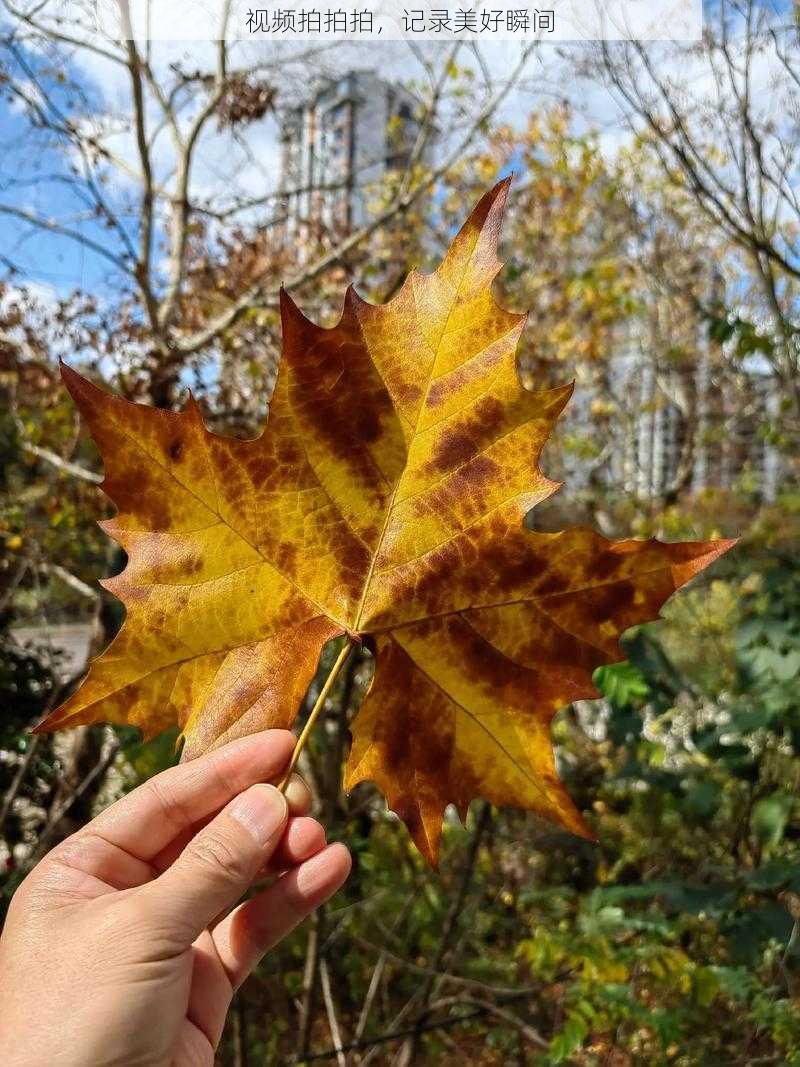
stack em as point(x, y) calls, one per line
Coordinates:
point(337, 146)
point(687, 428)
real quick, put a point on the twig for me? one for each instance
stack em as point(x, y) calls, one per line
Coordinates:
point(372, 992)
point(330, 1009)
point(64, 231)
point(50, 33)
point(528, 1031)
point(99, 769)
point(69, 579)
point(62, 464)
point(239, 1033)
point(380, 966)
point(16, 783)
point(143, 265)
point(181, 205)
point(446, 976)
point(33, 744)
point(310, 974)
point(450, 927)
point(393, 1035)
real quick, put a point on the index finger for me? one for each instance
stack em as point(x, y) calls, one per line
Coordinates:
point(146, 820)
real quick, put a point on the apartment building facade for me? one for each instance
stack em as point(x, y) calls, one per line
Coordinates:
point(337, 146)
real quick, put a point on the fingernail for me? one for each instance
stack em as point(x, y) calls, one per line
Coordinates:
point(297, 793)
point(261, 810)
point(320, 872)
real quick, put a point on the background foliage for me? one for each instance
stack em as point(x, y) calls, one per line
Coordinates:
point(674, 938)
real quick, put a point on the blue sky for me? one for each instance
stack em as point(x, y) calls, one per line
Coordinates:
point(63, 264)
point(28, 166)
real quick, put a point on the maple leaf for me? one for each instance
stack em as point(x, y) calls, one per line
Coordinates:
point(385, 500)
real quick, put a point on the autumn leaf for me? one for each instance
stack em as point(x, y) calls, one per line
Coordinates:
point(384, 500)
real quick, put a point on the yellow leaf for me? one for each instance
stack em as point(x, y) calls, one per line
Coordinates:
point(385, 499)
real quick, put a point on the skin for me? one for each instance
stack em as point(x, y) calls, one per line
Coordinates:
point(126, 943)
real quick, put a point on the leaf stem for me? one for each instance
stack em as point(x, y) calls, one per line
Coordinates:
point(319, 704)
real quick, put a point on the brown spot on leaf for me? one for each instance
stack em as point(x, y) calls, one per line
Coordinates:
point(482, 662)
point(439, 391)
point(409, 394)
point(481, 471)
point(605, 564)
point(367, 424)
point(606, 603)
point(552, 583)
point(511, 561)
point(457, 444)
point(286, 555)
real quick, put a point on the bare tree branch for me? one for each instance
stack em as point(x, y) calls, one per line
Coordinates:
point(255, 298)
point(509, 1018)
point(449, 928)
point(51, 33)
point(143, 265)
point(15, 784)
point(65, 231)
point(84, 590)
point(64, 465)
point(181, 206)
point(110, 750)
point(330, 1009)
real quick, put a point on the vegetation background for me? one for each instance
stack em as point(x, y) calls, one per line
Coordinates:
point(655, 212)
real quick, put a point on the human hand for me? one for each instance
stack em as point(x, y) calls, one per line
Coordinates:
point(120, 946)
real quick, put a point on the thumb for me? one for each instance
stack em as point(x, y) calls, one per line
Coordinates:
point(219, 863)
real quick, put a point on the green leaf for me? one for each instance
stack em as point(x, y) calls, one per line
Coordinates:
point(622, 683)
point(769, 817)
